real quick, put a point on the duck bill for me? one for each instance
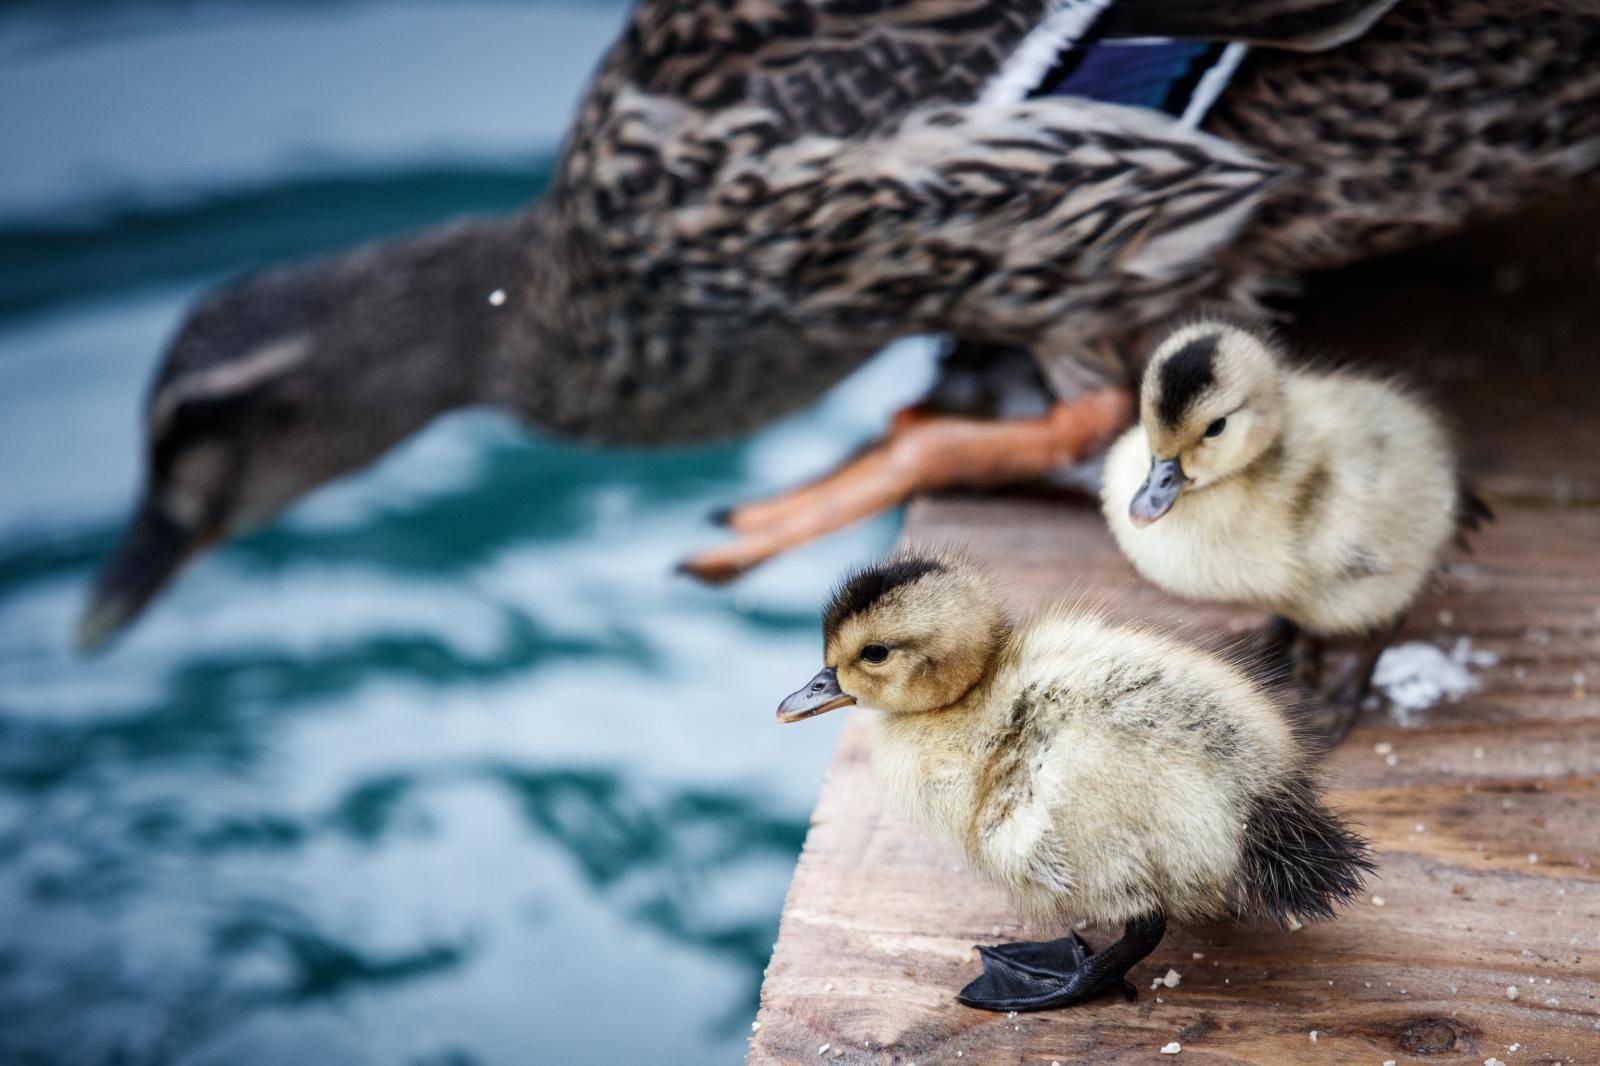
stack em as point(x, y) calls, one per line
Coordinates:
point(1158, 493)
point(819, 696)
point(153, 549)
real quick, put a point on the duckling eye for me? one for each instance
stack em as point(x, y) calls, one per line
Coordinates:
point(874, 653)
point(1215, 429)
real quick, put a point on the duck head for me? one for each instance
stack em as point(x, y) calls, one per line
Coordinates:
point(913, 634)
point(1211, 403)
point(283, 381)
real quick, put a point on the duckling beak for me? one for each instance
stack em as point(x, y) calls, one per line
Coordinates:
point(1159, 491)
point(152, 550)
point(819, 696)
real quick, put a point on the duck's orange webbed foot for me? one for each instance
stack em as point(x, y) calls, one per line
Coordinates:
point(924, 452)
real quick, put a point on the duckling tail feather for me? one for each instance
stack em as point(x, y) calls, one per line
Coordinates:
point(1301, 860)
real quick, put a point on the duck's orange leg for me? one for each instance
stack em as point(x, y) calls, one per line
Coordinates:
point(923, 453)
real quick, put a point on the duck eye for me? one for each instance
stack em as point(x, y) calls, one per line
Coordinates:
point(874, 653)
point(1215, 429)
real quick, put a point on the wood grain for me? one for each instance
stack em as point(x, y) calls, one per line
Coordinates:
point(1485, 812)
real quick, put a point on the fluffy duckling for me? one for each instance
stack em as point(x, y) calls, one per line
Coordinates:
point(1325, 498)
point(1095, 771)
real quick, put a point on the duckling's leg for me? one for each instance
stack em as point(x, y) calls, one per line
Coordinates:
point(1344, 701)
point(1059, 973)
point(1274, 645)
point(923, 453)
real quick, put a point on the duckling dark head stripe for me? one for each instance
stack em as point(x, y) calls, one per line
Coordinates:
point(865, 588)
point(1185, 376)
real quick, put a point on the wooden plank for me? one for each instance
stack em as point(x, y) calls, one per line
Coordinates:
point(1485, 813)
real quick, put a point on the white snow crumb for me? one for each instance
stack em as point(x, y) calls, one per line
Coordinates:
point(1477, 753)
point(1391, 759)
point(1198, 955)
point(960, 1053)
point(1491, 1061)
point(1294, 924)
point(1055, 1062)
point(1513, 1047)
point(497, 298)
point(823, 1050)
point(1172, 1048)
point(1378, 901)
point(995, 931)
point(1313, 1036)
point(838, 1052)
point(755, 1026)
point(1388, 1062)
point(1420, 828)
point(1533, 856)
point(1011, 1015)
point(1160, 1000)
point(1171, 979)
point(828, 987)
point(1415, 676)
point(1383, 747)
point(1511, 992)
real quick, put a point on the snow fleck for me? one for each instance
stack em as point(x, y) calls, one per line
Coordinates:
point(1477, 753)
point(497, 298)
point(1415, 676)
point(1378, 901)
point(1198, 955)
point(1313, 1036)
point(1172, 1048)
point(1171, 979)
point(1383, 747)
point(823, 1050)
point(1533, 856)
point(1513, 1047)
point(1419, 828)
point(1388, 1062)
point(1511, 992)
point(1492, 1061)
point(1294, 924)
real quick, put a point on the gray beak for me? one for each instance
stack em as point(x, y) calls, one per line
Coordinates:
point(1158, 493)
point(152, 550)
point(820, 695)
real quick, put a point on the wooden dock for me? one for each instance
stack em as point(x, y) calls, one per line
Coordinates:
point(1480, 938)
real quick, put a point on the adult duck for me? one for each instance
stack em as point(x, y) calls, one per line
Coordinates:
point(757, 195)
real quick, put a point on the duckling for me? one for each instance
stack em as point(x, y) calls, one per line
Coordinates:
point(1325, 497)
point(756, 197)
point(1094, 771)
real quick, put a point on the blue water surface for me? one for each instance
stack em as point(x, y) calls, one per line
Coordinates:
point(444, 767)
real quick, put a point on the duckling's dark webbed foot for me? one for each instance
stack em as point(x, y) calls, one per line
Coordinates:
point(1058, 973)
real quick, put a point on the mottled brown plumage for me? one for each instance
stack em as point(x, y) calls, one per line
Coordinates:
point(757, 195)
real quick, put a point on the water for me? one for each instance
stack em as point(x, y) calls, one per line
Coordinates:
point(445, 767)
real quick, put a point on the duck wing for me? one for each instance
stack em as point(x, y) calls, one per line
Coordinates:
point(1301, 25)
point(839, 67)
